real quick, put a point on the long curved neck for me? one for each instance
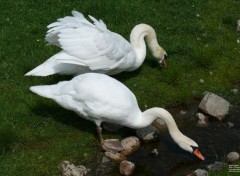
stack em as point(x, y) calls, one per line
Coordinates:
point(139, 32)
point(150, 115)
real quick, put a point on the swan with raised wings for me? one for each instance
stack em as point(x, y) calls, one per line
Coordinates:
point(100, 98)
point(91, 47)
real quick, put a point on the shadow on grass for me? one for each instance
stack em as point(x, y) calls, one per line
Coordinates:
point(70, 118)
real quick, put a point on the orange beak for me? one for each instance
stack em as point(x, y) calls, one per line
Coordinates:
point(164, 63)
point(198, 154)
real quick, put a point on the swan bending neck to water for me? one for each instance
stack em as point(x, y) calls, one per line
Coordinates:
point(183, 141)
point(137, 36)
point(100, 98)
point(91, 47)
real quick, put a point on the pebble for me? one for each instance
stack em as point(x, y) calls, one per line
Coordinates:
point(216, 166)
point(154, 152)
point(68, 169)
point(238, 25)
point(105, 167)
point(230, 124)
point(182, 112)
point(147, 134)
point(201, 81)
point(202, 119)
point(117, 157)
point(130, 145)
point(200, 172)
point(126, 168)
point(233, 157)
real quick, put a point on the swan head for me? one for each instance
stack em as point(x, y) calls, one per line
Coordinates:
point(191, 146)
point(161, 56)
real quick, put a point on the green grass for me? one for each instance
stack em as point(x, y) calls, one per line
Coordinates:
point(225, 171)
point(36, 134)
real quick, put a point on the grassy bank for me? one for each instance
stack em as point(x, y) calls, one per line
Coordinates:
point(36, 134)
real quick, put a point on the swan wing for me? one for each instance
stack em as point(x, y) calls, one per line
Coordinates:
point(91, 44)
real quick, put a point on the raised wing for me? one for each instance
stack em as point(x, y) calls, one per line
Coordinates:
point(91, 45)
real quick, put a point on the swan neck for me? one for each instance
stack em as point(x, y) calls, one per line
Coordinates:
point(137, 36)
point(167, 118)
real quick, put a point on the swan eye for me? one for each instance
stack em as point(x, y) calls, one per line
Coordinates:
point(194, 148)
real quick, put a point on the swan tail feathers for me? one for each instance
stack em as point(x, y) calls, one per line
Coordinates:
point(47, 91)
point(41, 70)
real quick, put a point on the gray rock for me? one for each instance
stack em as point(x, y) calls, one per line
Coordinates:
point(183, 112)
point(130, 145)
point(233, 157)
point(214, 105)
point(111, 126)
point(201, 81)
point(147, 134)
point(154, 152)
point(68, 169)
point(230, 124)
point(202, 120)
point(126, 168)
point(200, 172)
point(105, 167)
point(216, 166)
point(238, 25)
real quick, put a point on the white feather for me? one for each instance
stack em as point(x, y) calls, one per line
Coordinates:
point(100, 98)
point(94, 46)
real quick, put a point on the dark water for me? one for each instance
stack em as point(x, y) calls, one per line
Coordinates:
point(215, 142)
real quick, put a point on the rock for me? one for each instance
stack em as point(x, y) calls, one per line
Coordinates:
point(130, 145)
point(111, 126)
point(214, 105)
point(216, 166)
point(202, 120)
point(200, 172)
point(154, 152)
point(68, 169)
point(230, 124)
point(115, 156)
point(160, 125)
point(126, 168)
point(113, 145)
point(201, 81)
point(233, 157)
point(238, 25)
point(190, 173)
point(182, 112)
point(235, 91)
point(105, 167)
point(147, 134)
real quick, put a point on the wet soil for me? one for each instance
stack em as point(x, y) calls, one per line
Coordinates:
point(215, 142)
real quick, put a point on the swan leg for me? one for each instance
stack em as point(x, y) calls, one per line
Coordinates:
point(109, 145)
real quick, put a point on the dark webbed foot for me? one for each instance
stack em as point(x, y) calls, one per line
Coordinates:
point(109, 145)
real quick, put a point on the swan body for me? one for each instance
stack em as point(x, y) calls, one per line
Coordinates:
point(91, 47)
point(100, 98)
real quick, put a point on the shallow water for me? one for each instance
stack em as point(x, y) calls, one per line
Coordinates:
point(215, 142)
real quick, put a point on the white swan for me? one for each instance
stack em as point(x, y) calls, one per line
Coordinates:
point(100, 98)
point(88, 47)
